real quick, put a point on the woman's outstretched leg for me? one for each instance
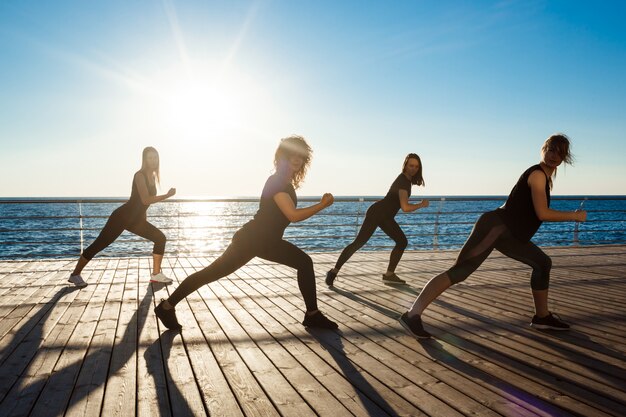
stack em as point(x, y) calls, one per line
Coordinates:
point(75, 277)
point(80, 265)
point(481, 242)
point(433, 289)
point(231, 260)
point(111, 231)
point(365, 233)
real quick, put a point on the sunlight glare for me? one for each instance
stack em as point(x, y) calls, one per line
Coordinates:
point(199, 109)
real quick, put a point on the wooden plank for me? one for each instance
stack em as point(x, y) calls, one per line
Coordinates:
point(16, 310)
point(21, 346)
point(340, 387)
point(88, 394)
point(8, 267)
point(121, 388)
point(569, 283)
point(545, 340)
point(21, 284)
point(278, 388)
point(484, 360)
point(279, 391)
point(502, 296)
point(491, 354)
point(378, 341)
point(334, 350)
point(54, 333)
point(11, 283)
point(250, 396)
point(481, 276)
point(171, 382)
point(521, 299)
point(299, 365)
point(152, 396)
point(214, 389)
point(387, 311)
point(55, 396)
point(563, 304)
point(488, 296)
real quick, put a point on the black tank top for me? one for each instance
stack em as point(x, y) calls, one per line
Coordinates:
point(134, 208)
point(518, 212)
point(391, 203)
point(269, 220)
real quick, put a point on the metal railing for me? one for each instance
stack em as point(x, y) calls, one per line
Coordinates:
point(41, 228)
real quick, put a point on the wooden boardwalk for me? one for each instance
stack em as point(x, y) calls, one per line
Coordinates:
point(243, 352)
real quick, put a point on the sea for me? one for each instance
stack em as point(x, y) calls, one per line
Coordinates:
point(42, 228)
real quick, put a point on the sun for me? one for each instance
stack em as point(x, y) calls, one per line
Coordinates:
point(198, 109)
point(204, 108)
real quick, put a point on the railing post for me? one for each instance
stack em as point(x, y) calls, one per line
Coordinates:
point(178, 232)
point(436, 231)
point(80, 224)
point(177, 236)
point(576, 242)
point(358, 212)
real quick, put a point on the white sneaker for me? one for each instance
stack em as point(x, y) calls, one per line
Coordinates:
point(78, 281)
point(160, 277)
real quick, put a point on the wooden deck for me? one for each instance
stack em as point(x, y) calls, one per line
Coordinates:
point(101, 350)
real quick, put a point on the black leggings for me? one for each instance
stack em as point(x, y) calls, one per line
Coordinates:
point(388, 224)
point(114, 227)
point(244, 247)
point(491, 233)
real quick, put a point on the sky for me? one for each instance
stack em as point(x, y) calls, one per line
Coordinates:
point(473, 87)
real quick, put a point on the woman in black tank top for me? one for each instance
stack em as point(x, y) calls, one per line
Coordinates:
point(263, 237)
point(131, 216)
point(509, 230)
point(382, 214)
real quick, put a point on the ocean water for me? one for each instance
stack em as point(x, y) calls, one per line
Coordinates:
point(59, 229)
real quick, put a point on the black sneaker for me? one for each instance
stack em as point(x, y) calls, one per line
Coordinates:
point(414, 326)
point(330, 277)
point(167, 317)
point(393, 279)
point(551, 321)
point(318, 320)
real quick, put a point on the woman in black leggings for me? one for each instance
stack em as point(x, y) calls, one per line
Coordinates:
point(131, 216)
point(509, 230)
point(381, 214)
point(263, 237)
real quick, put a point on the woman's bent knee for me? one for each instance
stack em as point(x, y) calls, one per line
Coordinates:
point(159, 244)
point(402, 243)
point(540, 279)
point(460, 272)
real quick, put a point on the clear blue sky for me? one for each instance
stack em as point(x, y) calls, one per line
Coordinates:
point(474, 87)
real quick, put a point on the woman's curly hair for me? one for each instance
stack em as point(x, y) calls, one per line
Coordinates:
point(294, 145)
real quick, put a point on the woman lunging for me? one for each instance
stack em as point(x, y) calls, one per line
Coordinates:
point(131, 216)
point(262, 237)
point(509, 230)
point(382, 214)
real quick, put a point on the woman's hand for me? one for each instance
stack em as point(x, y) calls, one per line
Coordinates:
point(171, 192)
point(327, 199)
point(424, 203)
point(581, 215)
